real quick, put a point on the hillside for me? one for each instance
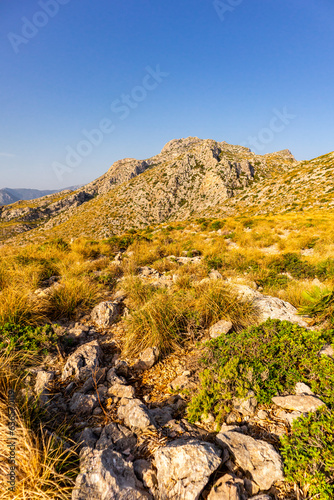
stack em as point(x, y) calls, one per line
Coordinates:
point(190, 177)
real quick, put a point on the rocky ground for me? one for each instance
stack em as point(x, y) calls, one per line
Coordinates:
point(129, 415)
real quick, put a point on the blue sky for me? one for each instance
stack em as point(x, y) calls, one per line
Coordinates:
point(139, 73)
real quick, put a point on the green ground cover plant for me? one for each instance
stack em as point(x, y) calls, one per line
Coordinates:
point(308, 454)
point(269, 360)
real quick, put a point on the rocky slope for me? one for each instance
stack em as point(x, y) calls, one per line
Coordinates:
point(190, 176)
point(146, 449)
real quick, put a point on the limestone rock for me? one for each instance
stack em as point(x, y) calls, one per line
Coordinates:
point(83, 362)
point(105, 313)
point(42, 384)
point(246, 406)
point(121, 391)
point(302, 388)
point(147, 475)
point(270, 307)
point(116, 436)
point(302, 403)
point(83, 404)
point(327, 350)
point(228, 487)
point(135, 415)
point(184, 468)
point(105, 475)
point(147, 359)
point(257, 457)
point(222, 327)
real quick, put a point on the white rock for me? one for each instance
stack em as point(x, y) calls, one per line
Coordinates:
point(302, 403)
point(228, 487)
point(84, 362)
point(106, 313)
point(259, 458)
point(219, 328)
point(302, 388)
point(184, 468)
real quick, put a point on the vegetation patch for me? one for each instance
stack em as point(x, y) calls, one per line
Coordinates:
point(269, 360)
point(308, 454)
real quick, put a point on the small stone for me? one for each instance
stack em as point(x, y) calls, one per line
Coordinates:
point(302, 388)
point(246, 406)
point(147, 359)
point(97, 411)
point(121, 391)
point(262, 414)
point(302, 403)
point(228, 487)
point(327, 350)
point(105, 314)
point(135, 415)
point(220, 328)
point(83, 404)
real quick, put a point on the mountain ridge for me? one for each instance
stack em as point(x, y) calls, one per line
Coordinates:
point(190, 177)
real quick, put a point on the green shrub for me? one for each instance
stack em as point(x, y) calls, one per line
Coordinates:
point(269, 279)
point(320, 304)
point(292, 263)
point(268, 359)
point(308, 454)
point(26, 338)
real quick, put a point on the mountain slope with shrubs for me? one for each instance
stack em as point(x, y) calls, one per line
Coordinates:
point(140, 344)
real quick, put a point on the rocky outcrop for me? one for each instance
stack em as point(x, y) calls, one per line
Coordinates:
point(105, 314)
point(183, 468)
point(83, 362)
point(259, 458)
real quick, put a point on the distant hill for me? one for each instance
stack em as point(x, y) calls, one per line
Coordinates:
point(189, 178)
point(8, 195)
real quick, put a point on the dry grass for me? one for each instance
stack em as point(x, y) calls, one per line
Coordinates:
point(168, 318)
point(43, 468)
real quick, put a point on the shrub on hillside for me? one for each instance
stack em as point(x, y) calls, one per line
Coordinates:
point(308, 454)
point(268, 359)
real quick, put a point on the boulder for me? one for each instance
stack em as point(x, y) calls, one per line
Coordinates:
point(42, 384)
point(105, 475)
point(84, 362)
point(257, 457)
point(303, 403)
point(222, 327)
point(117, 436)
point(135, 415)
point(228, 487)
point(106, 313)
point(121, 391)
point(147, 359)
point(270, 307)
point(83, 404)
point(184, 468)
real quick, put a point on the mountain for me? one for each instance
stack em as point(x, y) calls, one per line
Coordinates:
point(189, 178)
point(8, 196)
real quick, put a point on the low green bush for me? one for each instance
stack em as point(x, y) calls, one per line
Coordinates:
point(27, 338)
point(308, 454)
point(268, 359)
point(292, 263)
point(319, 304)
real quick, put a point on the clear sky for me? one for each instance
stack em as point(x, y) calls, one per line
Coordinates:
point(139, 73)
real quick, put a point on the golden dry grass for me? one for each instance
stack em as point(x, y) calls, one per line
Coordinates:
point(43, 467)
